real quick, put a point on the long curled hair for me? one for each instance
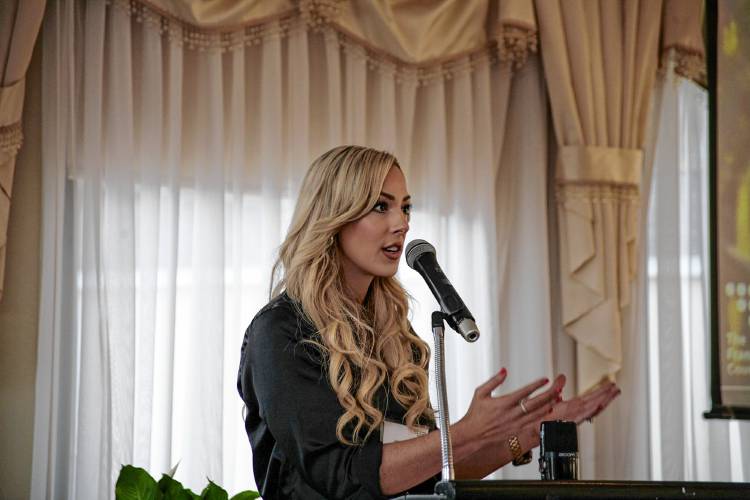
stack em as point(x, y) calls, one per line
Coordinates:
point(364, 345)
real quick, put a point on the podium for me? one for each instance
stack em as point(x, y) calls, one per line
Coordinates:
point(573, 490)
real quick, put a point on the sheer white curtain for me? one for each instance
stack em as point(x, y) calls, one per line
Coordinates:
point(683, 445)
point(170, 174)
point(526, 343)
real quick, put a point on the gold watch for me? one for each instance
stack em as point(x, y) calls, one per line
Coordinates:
point(519, 457)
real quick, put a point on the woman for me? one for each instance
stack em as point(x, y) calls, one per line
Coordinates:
point(331, 369)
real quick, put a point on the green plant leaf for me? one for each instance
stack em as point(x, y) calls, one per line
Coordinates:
point(246, 495)
point(169, 485)
point(135, 483)
point(173, 489)
point(214, 492)
point(193, 495)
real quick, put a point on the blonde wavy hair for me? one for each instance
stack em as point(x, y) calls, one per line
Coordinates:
point(365, 345)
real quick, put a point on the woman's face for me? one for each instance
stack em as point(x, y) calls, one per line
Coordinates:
point(372, 245)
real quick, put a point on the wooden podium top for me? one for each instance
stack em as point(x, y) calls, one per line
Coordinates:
point(570, 490)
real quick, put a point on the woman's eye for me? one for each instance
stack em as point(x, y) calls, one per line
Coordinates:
point(406, 209)
point(381, 207)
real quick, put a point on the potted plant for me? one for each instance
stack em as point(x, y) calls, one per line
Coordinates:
point(135, 483)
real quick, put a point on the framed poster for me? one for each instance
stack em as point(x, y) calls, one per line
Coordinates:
point(728, 57)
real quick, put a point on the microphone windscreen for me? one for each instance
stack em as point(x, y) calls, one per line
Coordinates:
point(415, 248)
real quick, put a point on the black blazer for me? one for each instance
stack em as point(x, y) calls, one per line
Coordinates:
point(292, 413)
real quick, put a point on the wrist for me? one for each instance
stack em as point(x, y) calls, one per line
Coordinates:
point(466, 441)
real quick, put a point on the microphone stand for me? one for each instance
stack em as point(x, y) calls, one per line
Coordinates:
point(446, 446)
point(444, 490)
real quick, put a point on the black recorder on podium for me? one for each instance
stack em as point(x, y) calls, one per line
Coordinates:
point(558, 458)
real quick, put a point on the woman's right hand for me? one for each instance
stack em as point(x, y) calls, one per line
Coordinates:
point(496, 418)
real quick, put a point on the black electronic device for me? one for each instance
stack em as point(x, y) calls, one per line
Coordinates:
point(559, 458)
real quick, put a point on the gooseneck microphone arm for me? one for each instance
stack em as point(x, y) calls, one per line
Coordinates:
point(421, 257)
point(446, 446)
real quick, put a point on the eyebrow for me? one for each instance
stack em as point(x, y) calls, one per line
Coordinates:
point(393, 198)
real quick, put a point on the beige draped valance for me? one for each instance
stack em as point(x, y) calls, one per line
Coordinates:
point(423, 34)
point(428, 34)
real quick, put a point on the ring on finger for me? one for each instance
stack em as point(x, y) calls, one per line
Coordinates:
point(522, 404)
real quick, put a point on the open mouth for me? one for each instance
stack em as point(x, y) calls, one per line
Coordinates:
point(392, 251)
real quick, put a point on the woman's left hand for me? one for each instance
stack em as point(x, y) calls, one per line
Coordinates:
point(587, 405)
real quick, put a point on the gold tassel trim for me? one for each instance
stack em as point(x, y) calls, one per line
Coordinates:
point(688, 63)
point(515, 42)
point(11, 138)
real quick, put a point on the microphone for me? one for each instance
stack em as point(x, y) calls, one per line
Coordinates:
point(420, 256)
point(559, 450)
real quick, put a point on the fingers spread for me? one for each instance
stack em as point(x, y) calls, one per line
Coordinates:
point(559, 383)
point(539, 414)
point(607, 399)
point(525, 391)
point(593, 406)
point(598, 390)
point(551, 395)
point(486, 388)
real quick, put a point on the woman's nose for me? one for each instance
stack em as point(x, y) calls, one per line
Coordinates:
point(400, 223)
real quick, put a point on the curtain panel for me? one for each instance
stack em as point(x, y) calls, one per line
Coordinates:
point(603, 58)
point(684, 445)
point(170, 174)
point(19, 25)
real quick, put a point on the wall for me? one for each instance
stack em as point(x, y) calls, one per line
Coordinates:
point(20, 303)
